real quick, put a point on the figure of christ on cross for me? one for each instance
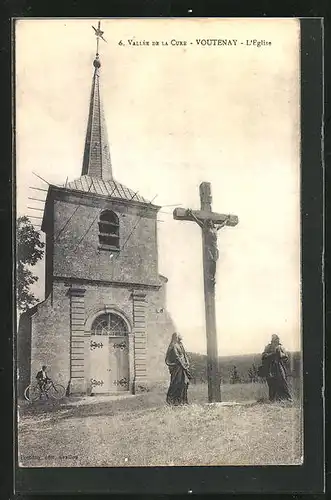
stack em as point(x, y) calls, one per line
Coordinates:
point(210, 229)
point(210, 223)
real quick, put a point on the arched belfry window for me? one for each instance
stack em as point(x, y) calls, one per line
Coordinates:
point(109, 230)
point(109, 324)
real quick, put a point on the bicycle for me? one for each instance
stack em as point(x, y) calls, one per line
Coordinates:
point(54, 391)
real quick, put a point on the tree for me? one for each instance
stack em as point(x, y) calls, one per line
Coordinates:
point(234, 377)
point(29, 249)
point(253, 373)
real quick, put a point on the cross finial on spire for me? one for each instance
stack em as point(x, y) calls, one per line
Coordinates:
point(98, 34)
point(96, 161)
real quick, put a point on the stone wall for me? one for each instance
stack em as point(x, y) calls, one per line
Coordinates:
point(50, 336)
point(60, 332)
point(76, 249)
point(83, 281)
point(160, 327)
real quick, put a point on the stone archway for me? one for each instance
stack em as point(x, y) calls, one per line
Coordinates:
point(109, 352)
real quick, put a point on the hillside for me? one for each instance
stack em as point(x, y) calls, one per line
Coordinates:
point(242, 363)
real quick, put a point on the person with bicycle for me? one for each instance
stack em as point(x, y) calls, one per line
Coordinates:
point(44, 387)
point(42, 378)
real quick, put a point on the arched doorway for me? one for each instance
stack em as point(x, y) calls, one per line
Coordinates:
point(109, 354)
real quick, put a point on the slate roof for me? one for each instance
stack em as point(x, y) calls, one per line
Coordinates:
point(111, 188)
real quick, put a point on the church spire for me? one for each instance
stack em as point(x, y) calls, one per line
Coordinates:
point(96, 161)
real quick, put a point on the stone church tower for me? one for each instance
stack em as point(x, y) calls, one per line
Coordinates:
point(103, 327)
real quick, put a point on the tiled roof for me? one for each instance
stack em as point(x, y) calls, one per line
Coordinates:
point(110, 188)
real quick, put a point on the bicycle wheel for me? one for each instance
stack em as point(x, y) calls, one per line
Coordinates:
point(56, 391)
point(32, 393)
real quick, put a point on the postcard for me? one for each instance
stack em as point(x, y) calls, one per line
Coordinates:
point(158, 242)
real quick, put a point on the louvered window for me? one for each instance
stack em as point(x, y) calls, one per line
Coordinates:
point(109, 231)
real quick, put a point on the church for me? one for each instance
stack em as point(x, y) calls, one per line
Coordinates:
point(103, 327)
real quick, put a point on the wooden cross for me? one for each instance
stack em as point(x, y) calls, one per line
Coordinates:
point(210, 222)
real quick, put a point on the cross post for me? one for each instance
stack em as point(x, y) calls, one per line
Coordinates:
point(210, 222)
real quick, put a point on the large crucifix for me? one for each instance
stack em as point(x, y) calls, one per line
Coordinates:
point(210, 223)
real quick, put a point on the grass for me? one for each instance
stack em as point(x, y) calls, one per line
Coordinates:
point(142, 431)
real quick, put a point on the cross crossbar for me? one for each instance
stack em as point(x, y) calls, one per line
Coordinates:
point(202, 215)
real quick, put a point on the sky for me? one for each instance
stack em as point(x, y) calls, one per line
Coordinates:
point(178, 115)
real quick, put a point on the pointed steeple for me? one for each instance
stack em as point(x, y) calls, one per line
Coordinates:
point(96, 161)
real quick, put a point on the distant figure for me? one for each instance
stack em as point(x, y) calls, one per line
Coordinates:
point(42, 377)
point(178, 364)
point(273, 365)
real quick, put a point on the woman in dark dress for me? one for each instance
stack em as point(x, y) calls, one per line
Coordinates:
point(178, 364)
point(274, 360)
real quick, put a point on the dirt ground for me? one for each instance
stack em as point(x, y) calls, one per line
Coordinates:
point(142, 431)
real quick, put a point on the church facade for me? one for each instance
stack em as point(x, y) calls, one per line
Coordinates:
point(103, 326)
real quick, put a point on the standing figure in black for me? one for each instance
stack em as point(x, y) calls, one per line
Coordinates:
point(179, 368)
point(274, 359)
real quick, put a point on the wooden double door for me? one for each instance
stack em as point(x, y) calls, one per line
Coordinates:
point(109, 364)
point(109, 354)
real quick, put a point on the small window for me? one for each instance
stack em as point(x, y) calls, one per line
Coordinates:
point(109, 230)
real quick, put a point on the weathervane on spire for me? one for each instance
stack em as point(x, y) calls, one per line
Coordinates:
point(98, 34)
